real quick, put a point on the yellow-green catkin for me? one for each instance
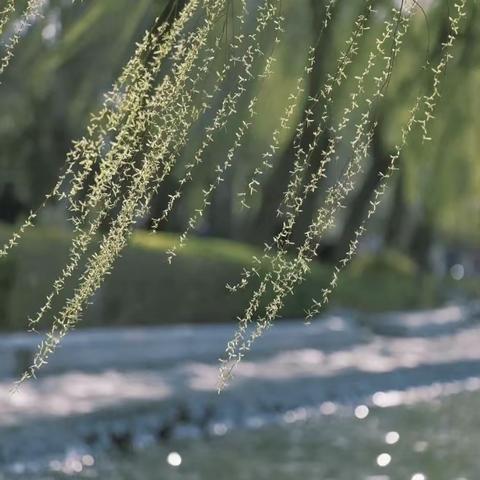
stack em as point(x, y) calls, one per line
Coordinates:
point(136, 138)
point(420, 118)
point(268, 157)
point(228, 108)
point(287, 273)
point(302, 156)
point(268, 16)
point(105, 190)
point(135, 203)
point(33, 10)
point(6, 13)
point(121, 103)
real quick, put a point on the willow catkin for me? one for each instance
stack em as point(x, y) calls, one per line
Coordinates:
point(360, 101)
point(303, 157)
point(33, 10)
point(128, 90)
point(286, 273)
point(228, 109)
point(127, 124)
point(135, 126)
point(135, 141)
point(109, 165)
point(6, 14)
point(268, 157)
point(421, 116)
point(134, 205)
point(299, 267)
point(253, 52)
point(154, 113)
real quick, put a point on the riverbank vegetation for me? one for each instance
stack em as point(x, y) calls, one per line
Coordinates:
point(146, 290)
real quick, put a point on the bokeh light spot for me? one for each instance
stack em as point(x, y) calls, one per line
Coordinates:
point(392, 437)
point(361, 412)
point(383, 459)
point(174, 459)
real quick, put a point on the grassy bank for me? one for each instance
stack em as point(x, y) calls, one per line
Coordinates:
point(145, 289)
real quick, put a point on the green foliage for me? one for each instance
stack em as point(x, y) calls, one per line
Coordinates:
point(145, 290)
point(388, 282)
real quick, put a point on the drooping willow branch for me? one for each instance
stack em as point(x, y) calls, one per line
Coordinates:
point(33, 10)
point(287, 272)
point(177, 78)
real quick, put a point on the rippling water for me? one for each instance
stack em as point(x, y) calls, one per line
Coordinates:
point(338, 400)
point(437, 440)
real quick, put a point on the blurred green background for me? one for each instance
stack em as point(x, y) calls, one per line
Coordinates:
point(422, 249)
point(138, 403)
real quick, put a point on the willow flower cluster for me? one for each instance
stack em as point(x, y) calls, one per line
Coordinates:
point(136, 138)
point(32, 11)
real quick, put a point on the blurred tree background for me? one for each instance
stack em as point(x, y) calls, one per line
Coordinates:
point(427, 228)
